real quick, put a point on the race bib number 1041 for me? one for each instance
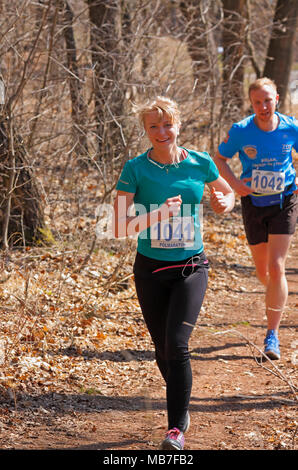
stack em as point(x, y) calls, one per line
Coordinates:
point(266, 182)
point(177, 232)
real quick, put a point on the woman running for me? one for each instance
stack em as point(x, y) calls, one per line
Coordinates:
point(166, 185)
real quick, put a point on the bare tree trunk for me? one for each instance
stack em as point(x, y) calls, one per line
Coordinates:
point(104, 46)
point(280, 51)
point(42, 94)
point(249, 43)
point(21, 210)
point(197, 43)
point(79, 107)
point(233, 57)
point(202, 47)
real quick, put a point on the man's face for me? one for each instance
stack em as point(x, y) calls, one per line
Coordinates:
point(264, 101)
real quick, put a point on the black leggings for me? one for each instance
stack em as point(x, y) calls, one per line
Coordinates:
point(171, 295)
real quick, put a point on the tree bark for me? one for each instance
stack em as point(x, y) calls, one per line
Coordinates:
point(22, 219)
point(21, 209)
point(198, 43)
point(79, 107)
point(233, 39)
point(105, 61)
point(281, 46)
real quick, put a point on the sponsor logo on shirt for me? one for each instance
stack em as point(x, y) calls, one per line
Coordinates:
point(251, 151)
point(286, 148)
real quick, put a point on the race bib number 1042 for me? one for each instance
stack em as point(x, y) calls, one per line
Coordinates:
point(267, 182)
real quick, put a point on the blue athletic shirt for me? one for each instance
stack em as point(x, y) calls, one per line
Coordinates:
point(264, 152)
point(152, 184)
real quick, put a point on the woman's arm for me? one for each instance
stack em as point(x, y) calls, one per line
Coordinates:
point(222, 196)
point(125, 225)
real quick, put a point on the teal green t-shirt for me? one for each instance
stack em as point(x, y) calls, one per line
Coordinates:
point(152, 184)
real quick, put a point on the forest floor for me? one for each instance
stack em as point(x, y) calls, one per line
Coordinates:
point(77, 368)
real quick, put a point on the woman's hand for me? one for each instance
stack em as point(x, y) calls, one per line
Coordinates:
point(222, 198)
point(124, 225)
point(170, 208)
point(220, 203)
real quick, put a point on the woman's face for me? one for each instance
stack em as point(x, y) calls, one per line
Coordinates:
point(162, 132)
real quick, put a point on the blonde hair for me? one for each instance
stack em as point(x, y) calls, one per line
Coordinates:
point(162, 105)
point(260, 82)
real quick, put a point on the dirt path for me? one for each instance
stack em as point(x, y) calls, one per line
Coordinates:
point(236, 402)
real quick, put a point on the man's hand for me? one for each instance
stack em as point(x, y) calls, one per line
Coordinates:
point(241, 188)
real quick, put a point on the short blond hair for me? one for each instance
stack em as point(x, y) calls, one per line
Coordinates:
point(259, 83)
point(161, 104)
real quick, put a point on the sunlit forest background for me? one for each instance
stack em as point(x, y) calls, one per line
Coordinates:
point(71, 71)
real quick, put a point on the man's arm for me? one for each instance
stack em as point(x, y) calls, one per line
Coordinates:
point(225, 171)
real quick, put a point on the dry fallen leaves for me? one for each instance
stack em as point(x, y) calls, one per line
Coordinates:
point(64, 331)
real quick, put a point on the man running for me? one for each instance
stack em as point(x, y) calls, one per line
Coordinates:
point(268, 187)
